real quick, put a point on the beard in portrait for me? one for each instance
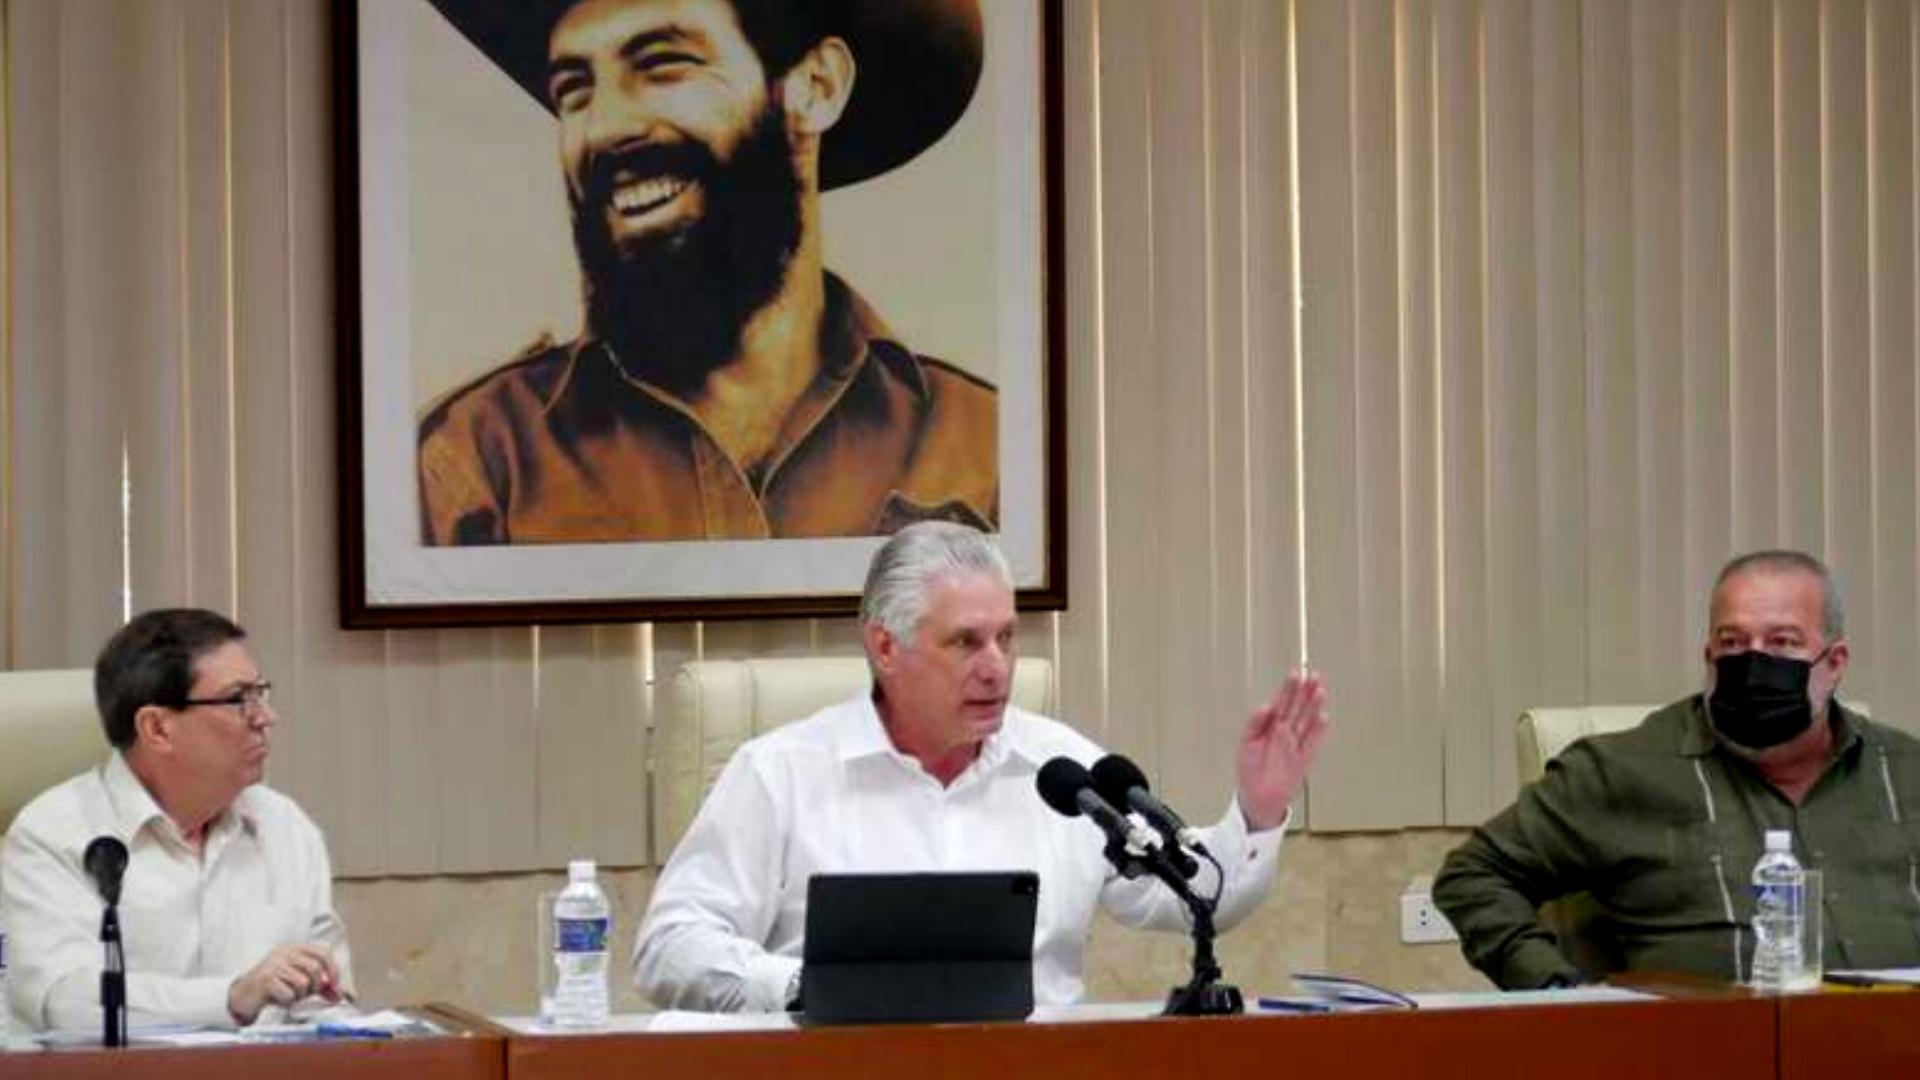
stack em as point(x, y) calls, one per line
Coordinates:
point(726, 384)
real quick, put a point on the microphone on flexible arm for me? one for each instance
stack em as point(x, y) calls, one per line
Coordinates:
point(1066, 786)
point(105, 861)
point(1120, 782)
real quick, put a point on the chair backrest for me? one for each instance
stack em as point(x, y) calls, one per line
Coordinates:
point(1577, 921)
point(1545, 731)
point(715, 705)
point(49, 731)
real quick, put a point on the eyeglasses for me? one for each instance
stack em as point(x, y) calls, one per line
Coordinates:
point(249, 698)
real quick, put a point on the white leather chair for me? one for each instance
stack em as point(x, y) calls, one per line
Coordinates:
point(1545, 731)
point(49, 731)
point(1576, 920)
point(715, 705)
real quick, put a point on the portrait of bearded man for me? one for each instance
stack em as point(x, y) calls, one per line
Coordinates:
point(725, 384)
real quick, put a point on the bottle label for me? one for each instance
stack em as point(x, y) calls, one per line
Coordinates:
point(580, 935)
point(1778, 897)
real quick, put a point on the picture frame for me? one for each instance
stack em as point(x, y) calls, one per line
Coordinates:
point(456, 253)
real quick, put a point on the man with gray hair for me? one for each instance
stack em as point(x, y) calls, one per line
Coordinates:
point(1661, 824)
point(933, 771)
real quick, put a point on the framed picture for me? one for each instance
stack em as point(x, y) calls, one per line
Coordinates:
point(677, 310)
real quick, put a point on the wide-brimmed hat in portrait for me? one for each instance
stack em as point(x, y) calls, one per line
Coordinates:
point(917, 64)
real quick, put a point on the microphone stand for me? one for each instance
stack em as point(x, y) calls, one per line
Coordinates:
point(113, 981)
point(1204, 994)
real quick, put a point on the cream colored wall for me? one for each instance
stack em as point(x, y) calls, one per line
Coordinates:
point(1336, 908)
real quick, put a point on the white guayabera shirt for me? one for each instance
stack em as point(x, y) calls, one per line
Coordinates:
point(830, 794)
point(190, 922)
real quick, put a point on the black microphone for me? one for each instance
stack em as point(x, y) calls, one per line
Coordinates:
point(106, 861)
point(1066, 786)
point(1120, 782)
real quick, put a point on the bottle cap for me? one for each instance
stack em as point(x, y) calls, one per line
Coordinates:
point(581, 870)
point(1779, 840)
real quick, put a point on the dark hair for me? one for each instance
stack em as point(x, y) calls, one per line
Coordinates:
point(150, 662)
point(780, 31)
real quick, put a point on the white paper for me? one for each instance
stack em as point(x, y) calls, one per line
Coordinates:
point(1885, 975)
point(682, 1021)
point(1499, 999)
point(617, 1024)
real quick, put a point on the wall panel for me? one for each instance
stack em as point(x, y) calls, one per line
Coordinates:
point(1706, 305)
point(1133, 522)
point(1891, 291)
point(1515, 425)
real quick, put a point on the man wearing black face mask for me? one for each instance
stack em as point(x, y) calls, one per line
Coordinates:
point(1662, 824)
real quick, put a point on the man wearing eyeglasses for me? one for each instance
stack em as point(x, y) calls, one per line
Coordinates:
point(226, 908)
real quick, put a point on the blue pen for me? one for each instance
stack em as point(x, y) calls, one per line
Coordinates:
point(348, 1031)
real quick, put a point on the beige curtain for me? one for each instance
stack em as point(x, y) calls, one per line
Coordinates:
point(170, 432)
point(1451, 344)
point(1462, 341)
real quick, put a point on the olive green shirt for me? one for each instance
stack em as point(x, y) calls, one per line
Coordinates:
point(1662, 825)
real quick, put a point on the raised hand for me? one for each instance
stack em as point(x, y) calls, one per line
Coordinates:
point(1278, 748)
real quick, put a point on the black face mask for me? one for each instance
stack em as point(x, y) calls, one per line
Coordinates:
point(1760, 700)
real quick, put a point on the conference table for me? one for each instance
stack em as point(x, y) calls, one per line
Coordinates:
point(1689, 1038)
point(467, 1057)
point(1868, 1033)
point(1699, 1037)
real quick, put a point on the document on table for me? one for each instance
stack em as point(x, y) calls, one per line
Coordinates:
point(157, 1035)
point(1502, 999)
point(617, 1024)
point(1875, 977)
point(683, 1021)
point(375, 1025)
point(677, 1021)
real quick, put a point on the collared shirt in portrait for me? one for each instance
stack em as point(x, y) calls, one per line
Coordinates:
point(190, 921)
point(568, 445)
point(831, 794)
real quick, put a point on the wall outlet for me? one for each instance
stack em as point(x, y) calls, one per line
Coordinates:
point(1421, 923)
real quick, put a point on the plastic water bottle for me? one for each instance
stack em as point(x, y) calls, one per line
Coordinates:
point(582, 921)
point(1779, 913)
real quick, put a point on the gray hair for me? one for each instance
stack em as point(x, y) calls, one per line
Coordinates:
point(906, 567)
point(1833, 612)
